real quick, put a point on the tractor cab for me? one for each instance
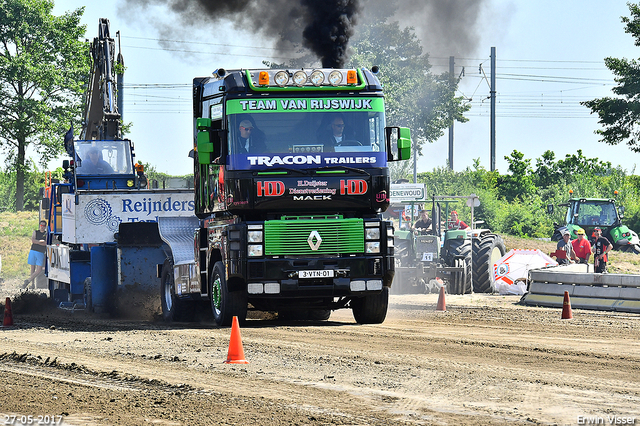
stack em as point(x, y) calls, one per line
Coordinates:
point(591, 213)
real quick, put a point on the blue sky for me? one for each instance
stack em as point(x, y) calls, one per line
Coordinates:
point(549, 58)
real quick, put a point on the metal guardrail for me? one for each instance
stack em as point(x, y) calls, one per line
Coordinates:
point(587, 290)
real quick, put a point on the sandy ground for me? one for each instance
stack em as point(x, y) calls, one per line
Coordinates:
point(485, 361)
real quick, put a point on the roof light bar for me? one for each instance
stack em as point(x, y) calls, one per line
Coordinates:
point(326, 77)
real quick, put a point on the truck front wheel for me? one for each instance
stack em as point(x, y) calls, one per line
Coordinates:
point(226, 304)
point(371, 309)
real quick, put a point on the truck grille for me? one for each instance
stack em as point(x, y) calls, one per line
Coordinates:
point(290, 236)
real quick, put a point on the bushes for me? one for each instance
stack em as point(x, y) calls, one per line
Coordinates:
point(34, 180)
point(516, 203)
point(523, 219)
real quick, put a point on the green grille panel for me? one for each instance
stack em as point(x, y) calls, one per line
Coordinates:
point(289, 237)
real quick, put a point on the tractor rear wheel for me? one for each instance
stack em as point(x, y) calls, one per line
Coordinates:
point(487, 250)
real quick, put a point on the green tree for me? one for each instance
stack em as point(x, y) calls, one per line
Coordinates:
point(43, 70)
point(620, 115)
point(519, 184)
point(415, 97)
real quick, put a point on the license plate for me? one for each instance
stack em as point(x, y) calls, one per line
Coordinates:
point(318, 273)
point(427, 257)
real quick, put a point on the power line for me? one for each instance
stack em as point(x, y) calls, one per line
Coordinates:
point(209, 53)
point(204, 43)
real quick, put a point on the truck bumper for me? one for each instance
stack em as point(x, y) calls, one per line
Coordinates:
point(336, 277)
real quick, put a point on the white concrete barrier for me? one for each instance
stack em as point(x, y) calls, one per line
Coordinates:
point(587, 290)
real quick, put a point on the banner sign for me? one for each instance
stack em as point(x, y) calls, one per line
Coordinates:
point(97, 216)
point(240, 106)
point(408, 192)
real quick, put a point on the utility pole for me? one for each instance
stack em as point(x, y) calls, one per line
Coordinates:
point(415, 163)
point(492, 93)
point(451, 85)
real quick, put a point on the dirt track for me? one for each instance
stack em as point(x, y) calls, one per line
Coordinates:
point(484, 361)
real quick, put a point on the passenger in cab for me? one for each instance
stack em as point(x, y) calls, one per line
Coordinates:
point(455, 223)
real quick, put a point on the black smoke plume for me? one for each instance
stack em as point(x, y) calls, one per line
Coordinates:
point(444, 27)
point(324, 27)
point(329, 29)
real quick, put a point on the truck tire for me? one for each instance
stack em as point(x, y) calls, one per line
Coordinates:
point(226, 304)
point(487, 250)
point(293, 314)
point(319, 314)
point(371, 309)
point(304, 314)
point(173, 309)
point(459, 255)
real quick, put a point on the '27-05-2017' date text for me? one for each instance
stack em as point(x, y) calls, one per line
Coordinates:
point(22, 420)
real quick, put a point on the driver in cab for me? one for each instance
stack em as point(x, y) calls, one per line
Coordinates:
point(95, 164)
point(423, 224)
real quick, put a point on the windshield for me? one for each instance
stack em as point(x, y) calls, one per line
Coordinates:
point(329, 129)
point(103, 157)
point(601, 213)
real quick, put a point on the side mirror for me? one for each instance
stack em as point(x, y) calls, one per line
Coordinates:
point(44, 205)
point(550, 208)
point(204, 146)
point(621, 211)
point(398, 143)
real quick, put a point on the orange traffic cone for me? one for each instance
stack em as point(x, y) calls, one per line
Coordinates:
point(566, 307)
point(442, 306)
point(236, 353)
point(8, 315)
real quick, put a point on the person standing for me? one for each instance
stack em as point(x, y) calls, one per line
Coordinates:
point(565, 244)
point(581, 247)
point(600, 249)
point(36, 253)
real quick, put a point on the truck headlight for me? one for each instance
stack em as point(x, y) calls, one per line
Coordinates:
point(254, 236)
point(299, 78)
point(317, 78)
point(372, 247)
point(335, 78)
point(281, 78)
point(254, 250)
point(372, 233)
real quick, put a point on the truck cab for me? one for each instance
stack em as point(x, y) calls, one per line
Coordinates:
point(291, 179)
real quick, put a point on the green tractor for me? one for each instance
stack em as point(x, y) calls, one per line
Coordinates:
point(460, 259)
point(591, 213)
